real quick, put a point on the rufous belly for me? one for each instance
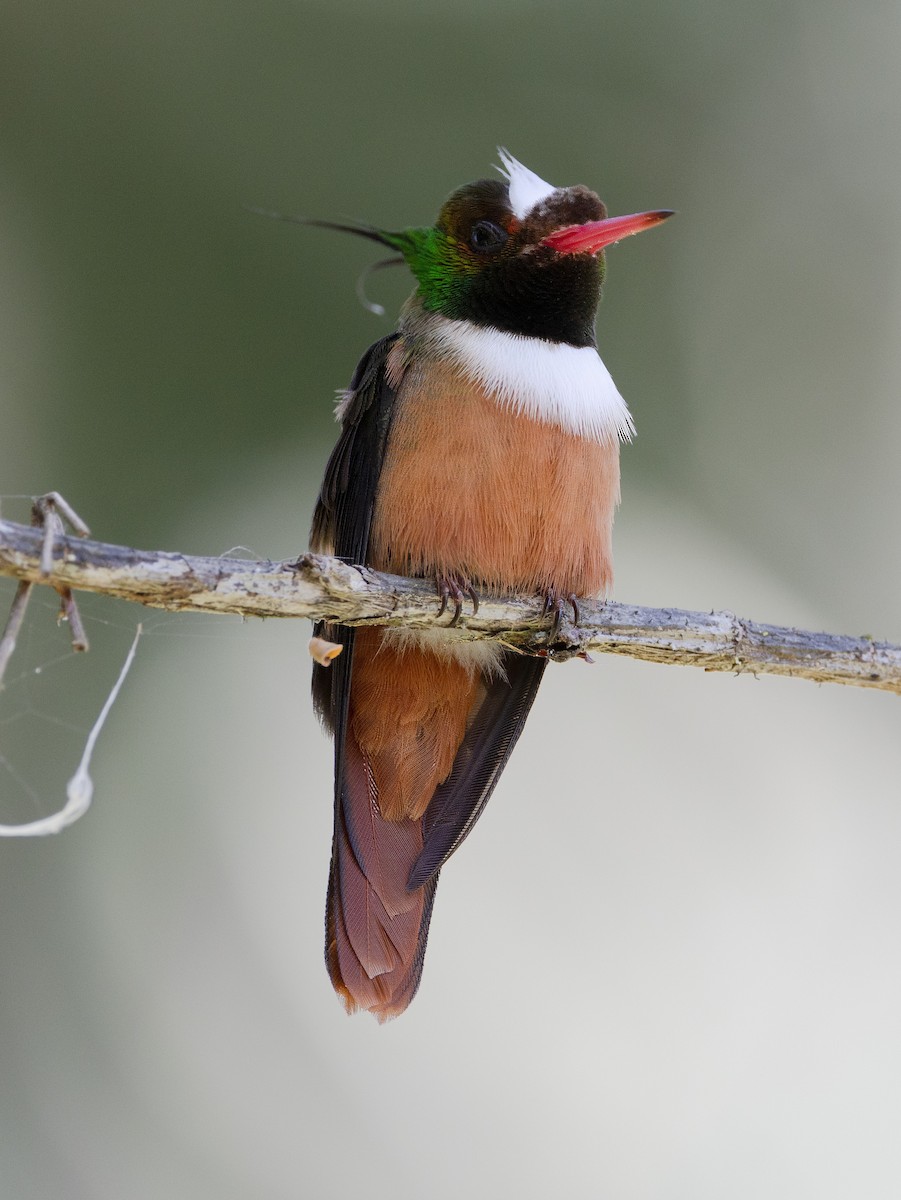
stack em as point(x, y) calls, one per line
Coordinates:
point(470, 488)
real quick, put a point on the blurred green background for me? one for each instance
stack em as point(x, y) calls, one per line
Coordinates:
point(667, 964)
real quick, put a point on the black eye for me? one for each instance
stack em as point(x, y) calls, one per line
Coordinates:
point(485, 236)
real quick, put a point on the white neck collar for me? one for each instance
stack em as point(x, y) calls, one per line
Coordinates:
point(552, 382)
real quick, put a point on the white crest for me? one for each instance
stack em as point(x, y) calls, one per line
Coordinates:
point(526, 189)
point(562, 385)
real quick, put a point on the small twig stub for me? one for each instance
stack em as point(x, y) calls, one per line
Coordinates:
point(324, 652)
point(47, 513)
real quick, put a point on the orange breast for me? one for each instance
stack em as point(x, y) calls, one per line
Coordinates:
point(470, 488)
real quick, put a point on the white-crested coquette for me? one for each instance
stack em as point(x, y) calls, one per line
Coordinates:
point(479, 448)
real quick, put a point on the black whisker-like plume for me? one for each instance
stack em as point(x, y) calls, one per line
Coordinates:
point(359, 228)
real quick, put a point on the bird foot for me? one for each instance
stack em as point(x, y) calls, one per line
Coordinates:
point(554, 605)
point(453, 588)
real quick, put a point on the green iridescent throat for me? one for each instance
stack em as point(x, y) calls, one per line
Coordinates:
point(439, 267)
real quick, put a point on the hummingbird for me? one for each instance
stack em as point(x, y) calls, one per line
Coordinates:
point(479, 447)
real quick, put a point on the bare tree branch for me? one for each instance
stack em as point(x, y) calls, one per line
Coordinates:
point(326, 589)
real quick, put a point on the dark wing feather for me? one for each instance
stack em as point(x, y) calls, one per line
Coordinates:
point(488, 744)
point(343, 515)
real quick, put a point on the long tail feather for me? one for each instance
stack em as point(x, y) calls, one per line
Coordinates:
point(376, 926)
point(422, 738)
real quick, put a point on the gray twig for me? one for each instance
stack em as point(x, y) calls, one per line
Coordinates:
point(46, 514)
point(327, 589)
point(14, 624)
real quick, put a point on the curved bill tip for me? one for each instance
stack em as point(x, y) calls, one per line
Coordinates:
point(595, 235)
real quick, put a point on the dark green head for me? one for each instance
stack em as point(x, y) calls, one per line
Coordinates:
point(516, 254)
point(480, 262)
